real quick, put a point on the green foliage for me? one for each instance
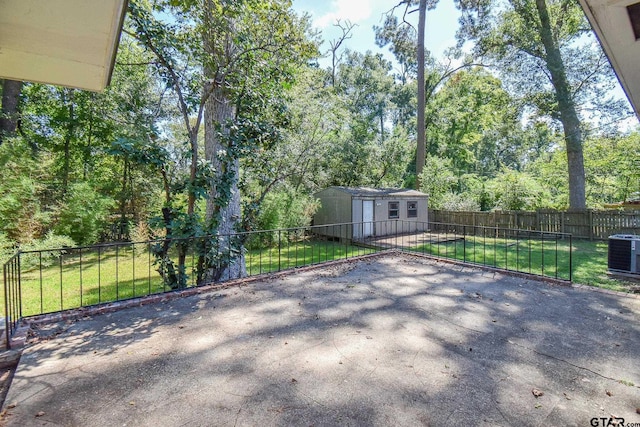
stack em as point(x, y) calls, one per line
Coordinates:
point(283, 209)
point(612, 166)
point(7, 248)
point(437, 180)
point(237, 74)
point(23, 218)
point(460, 202)
point(365, 150)
point(476, 123)
point(517, 191)
point(83, 158)
point(84, 214)
point(612, 176)
point(50, 248)
point(558, 69)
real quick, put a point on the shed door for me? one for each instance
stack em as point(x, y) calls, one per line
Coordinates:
point(367, 218)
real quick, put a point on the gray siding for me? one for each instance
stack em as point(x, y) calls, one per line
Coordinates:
point(335, 208)
point(385, 226)
point(339, 206)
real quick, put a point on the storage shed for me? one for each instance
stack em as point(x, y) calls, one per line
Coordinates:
point(373, 211)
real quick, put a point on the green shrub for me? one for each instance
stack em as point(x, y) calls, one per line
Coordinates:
point(52, 246)
point(84, 214)
point(20, 191)
point(7, 248)
point(460, 202)
point(283, 209)
point(437, 180)
point(515, 190)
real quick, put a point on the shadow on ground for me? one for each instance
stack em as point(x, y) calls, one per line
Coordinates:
point(393, 340)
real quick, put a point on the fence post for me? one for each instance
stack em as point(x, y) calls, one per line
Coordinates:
point(591, 224)
point(7, 330)
point(464, 243)
point(542, 252)
point(570, 258)
point(19, 272)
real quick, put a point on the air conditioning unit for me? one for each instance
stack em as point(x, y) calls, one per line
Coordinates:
point(624, 253)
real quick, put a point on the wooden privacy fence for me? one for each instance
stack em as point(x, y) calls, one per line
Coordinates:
point(587, 224)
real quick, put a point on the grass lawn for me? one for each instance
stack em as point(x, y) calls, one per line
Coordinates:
point(589, 258)
point(92, 277)
point(546, 258)
point(590, 266)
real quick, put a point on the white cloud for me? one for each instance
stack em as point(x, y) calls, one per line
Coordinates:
point(354, 11)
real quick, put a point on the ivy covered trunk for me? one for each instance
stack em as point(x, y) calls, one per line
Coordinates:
point(226, 257)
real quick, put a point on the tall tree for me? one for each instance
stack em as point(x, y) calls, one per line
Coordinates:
point(364, 86)
point(226, 61)
point(417, 67)
point(476, 124)
point(543, 48)
point(334, 46)
point(406, 46)
point(9, 114)
point(566, 107)
point(421, 140)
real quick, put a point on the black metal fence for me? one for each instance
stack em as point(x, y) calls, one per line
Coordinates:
point(48, 281)
point(539, 253)
point(12, 296)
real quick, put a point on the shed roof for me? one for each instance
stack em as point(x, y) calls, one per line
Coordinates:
point(381, 192)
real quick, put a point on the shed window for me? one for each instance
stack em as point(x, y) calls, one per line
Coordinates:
point(412, 209)
point(394, 210)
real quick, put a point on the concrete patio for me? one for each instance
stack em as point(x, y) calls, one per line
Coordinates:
point(388, 340)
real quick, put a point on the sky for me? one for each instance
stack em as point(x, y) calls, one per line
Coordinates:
point(441, 24)
point(441, 27)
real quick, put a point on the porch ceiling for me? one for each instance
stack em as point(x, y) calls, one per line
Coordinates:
point(63, 42)
point(612, 24)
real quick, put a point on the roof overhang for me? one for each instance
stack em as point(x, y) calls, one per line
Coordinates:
point(63, 42)
point(611, 23)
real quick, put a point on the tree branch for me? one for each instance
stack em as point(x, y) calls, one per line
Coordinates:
point(594, 71)
point(146, 41)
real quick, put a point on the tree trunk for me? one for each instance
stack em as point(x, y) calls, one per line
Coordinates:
point(568, 115)
point(123, 197)
point(66, 166)
point(9, 116)
point(421, 149)
point(223, 204)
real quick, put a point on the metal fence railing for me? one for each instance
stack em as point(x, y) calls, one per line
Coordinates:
point(537, 253)
point(12, 297)
point(49, 281)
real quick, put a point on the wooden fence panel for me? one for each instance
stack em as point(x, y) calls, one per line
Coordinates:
point(582, 224)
